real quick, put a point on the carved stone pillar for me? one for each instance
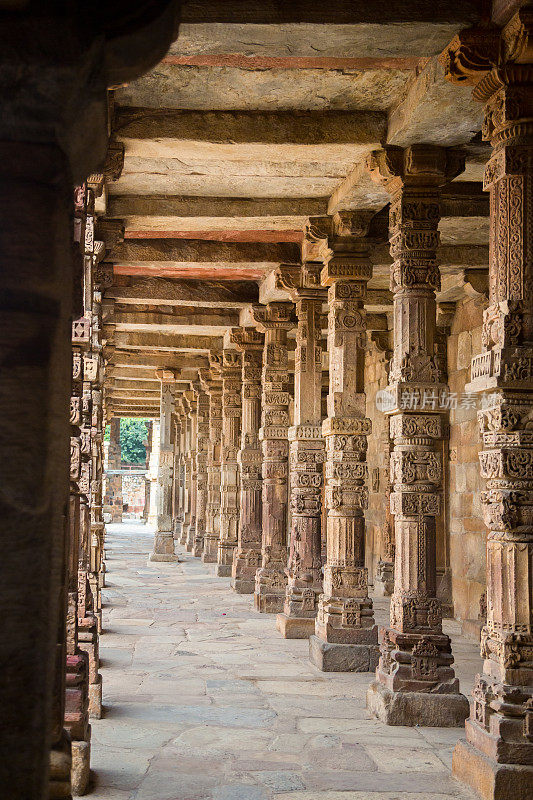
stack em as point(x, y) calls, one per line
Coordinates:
point(147, 481)
point(154, 468)
point(193, 444)
point(176, 477)
point(91, 526)
point(186, 470)
point(247, 555)
point(164, 537)
point(415, 682)
point(113, 498)
point(50, 140)
point(306, 456)
point(497, 757)
point(214, 389)
point(275, 319)
point(229, 484)
point(77, 661)
point(346, 635)
point(180, 522)
point(202, 446)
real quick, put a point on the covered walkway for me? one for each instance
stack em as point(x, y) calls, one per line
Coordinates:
point(205, 699)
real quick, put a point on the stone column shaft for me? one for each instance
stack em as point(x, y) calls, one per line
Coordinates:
point(275, 320)
point(113, 500)
point(306, 456)
point(247, 555)
point(229, 486)
point(164, 537)
point(346, 635)
point(497, 757)
point(415, 682)
point(202, 446)
point(193, 443)
point(176, 477)
point(186, 473)
point(214, 389)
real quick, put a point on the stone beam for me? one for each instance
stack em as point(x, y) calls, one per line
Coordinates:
point(193, 251)
point(159, 205)
point(160, 342)
point(135, 395)
point(163, 291)
point(428, 20)
point(434, 111)
point(213, 323)
point(257, 127)
point(122, 382)
point(148, 413)
point(464, 199)
point(120, 359)
point(357, 191)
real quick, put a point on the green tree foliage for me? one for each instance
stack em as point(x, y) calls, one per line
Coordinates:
point(133, 432)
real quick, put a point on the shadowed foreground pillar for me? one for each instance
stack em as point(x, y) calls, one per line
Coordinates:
point(497, 758)
point(164, 536)
point(275, 319)
point(346, 634)
point(306, 456)
point(36, 255)
point(415, 682)
point(247, 555)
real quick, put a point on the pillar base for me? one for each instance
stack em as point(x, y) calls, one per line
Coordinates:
point(489, 779)
point(295, 627)
point(209, 558)
point(163, 557)
point(60, 769)
point(384, 580)
point(95, 699)
point(163, 547)
point(269, 603)
point(243, 585)
point(334, 657)
point(81, 764)
point(223, 570)
point(198, 549)
point(426, 709)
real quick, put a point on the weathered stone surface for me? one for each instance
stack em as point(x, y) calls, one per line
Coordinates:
point(163, 205)
point(248, 706)
point(295, 627)
point(416, 708)
point(488, 778)
point(335, 657)
point(245, 126)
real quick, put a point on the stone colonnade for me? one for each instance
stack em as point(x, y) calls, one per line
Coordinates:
point(321, 458)
point(52, 505)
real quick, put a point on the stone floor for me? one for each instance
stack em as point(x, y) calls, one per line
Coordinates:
point(204, 699)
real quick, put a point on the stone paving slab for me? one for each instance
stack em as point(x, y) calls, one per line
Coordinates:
point(205, 701)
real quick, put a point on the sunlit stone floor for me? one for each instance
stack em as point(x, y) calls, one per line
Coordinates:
point(204, 699)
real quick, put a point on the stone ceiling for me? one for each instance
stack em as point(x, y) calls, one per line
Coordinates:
point(261, 115)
